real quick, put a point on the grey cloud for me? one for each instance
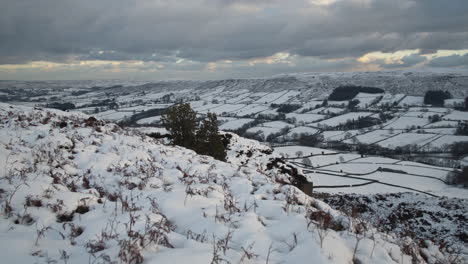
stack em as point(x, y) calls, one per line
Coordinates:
point(212, 30)
point(450, 61)
point(407, 61)
point(112, 55)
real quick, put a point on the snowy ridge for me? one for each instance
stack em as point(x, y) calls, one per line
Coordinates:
point(310, 85)
point(78, 190)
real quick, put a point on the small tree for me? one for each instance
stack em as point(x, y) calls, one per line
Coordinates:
point(352, 105)
point(181, 121)
point(209, 142)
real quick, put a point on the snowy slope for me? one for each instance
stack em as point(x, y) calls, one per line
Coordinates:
point(79, 190)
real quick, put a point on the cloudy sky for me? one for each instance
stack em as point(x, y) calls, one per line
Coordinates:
point(213, 39)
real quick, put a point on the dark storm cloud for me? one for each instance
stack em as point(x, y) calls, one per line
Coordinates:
point(211, 30)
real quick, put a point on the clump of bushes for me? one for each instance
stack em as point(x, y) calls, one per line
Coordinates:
point(435, 118)
point(200, 135)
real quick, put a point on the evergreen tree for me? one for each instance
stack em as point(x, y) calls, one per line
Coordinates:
point(209, 142)
point(181, 121)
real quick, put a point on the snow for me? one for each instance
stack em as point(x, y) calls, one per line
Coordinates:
point(339, 104)
point(404, 139)
point(308, 106)
point(374, 136)
point(417, 182)
point(179, 203)
point(444, 131)
point(412, 101)
point(421, 114)
point(457, 116)
point(464, 161)
point(113, 115)
point(149, 120)
point(128, 154)
point(390, 98)
point(302, 130)
point(272, 97)
point(221, 108)
point(366, 99)
point(454, 102)
point(338, 135)
point(265, 131)
point(432, 109)
point(341, 119)
point(276, 124)
point(285, 97)
point(448, 140)
point(291, 151)
point(148, 130)
point(235, 123)
point(306, 118)
point(251, 109)
point(327, 110)
point(406, 122)
point(242, 94)
point(442, 124)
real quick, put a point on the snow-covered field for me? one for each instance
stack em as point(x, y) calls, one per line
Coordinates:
point(341, 119)
point(235, 123)
point(412, 101)
point(367, 99)
point(404, 139)
point(457, 116)
point(374, 136)
point(406, 122)
point(305, 118)
point(327, 168)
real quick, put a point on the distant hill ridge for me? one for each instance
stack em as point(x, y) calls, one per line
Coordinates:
point(311, 84)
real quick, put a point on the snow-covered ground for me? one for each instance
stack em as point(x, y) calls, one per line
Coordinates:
point(420, 177)
point(77, 190)
point(404, 139)
point(235, 123)
point(412, 101)
point(305, 118)
point(406, 122)
point(81, 190)
point(341, 119)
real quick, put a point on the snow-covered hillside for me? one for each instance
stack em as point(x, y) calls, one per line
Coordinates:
point(74, 189)
point(306, 85)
